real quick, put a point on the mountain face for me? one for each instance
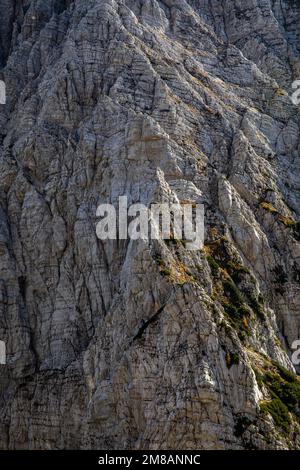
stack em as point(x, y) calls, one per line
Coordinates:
point(147, 345)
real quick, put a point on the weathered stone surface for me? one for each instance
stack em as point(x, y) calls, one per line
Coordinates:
point(156, 100)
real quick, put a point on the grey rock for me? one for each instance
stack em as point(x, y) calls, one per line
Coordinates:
point(129, 345)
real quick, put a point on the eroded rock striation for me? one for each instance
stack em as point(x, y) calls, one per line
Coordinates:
point(134, 345)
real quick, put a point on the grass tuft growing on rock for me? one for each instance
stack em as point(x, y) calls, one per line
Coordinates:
point(279, 413)
point(229, 274)
point(283, 388)
point(268, 207)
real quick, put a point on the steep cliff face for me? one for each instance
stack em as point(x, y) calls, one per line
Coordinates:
point(134, 344)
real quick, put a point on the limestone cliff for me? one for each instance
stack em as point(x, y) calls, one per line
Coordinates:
point(130, 345)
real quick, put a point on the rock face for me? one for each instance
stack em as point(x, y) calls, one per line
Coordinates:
point(134, 345)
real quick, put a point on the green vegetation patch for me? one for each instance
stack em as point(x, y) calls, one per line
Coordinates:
point(231, 359)
point(242, 424)
point(214, 266)
point(284, 389)
point(228, 274)
point(279, 413)
point(285, 386)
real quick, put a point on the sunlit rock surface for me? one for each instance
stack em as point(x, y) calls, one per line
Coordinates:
point(160, 101)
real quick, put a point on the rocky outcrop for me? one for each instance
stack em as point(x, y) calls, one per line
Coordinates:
point(148, 345)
